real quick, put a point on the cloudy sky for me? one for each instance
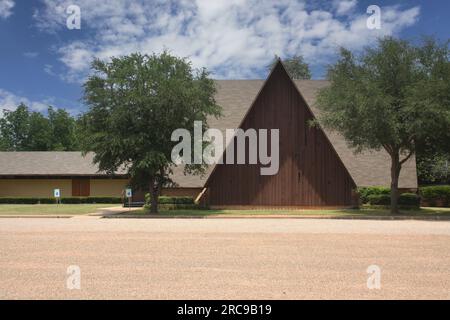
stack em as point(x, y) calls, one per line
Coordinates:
point(43, 62)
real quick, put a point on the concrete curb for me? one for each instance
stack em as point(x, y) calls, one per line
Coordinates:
point(104, 212)
point(350, 217)
point(100, 213)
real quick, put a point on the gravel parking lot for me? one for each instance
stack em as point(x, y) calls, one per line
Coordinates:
point(223, 258)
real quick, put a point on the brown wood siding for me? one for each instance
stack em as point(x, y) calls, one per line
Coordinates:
point(310, 171)
point(81, 188)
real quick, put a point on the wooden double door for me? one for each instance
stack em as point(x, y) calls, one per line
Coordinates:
point(81, 187)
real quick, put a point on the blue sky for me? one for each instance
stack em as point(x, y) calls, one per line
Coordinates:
point(43, 62)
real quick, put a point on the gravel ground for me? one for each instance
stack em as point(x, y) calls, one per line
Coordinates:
point(223, 259)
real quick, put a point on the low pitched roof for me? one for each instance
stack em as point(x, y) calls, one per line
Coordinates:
point(235, 97)
point(51, 163)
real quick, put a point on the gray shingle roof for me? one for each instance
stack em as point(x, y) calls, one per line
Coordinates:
point(235, 97)
point(54, 163)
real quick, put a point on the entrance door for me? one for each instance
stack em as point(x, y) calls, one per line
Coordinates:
point(81, 188)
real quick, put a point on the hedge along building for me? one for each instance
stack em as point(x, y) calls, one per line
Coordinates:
point(316, 167)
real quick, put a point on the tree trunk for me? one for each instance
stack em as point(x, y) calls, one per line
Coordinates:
point(154, 201)
point(395, 173)
point(154, 194)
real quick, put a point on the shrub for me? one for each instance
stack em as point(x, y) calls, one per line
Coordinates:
point(433, 194)
point(409, 199)
point(170, 200)
point(405, 199)
point(74, 200)
point(26, 200)
point(379, 199)
point(365, 192)
point(174, 206)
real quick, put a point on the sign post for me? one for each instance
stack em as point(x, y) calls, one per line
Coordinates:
point(57, 195)
point(129, 194)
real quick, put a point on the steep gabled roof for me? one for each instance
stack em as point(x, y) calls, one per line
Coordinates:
point(367, 169)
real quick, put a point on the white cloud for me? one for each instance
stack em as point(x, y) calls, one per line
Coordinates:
point(233, 38)
point(344, 6)
point(30, 55)
point(10, 101)
point(6, 8)
point(48, 68)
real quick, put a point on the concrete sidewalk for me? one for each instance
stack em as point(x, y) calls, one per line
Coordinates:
point(100, 213)
point(110, 211)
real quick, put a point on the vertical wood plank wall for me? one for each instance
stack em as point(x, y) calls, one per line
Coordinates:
point(310, 172)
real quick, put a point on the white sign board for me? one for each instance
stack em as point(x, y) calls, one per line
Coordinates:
point(56, 193)
point(128, 193)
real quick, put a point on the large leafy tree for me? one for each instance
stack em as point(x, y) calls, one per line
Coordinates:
point(135, 103)
point(14, 129)
point(25, 130)
point(296, 66)
point(433, 168)
point(65, 130)
point(393, 96)
point(433, 159)
point(39, 135)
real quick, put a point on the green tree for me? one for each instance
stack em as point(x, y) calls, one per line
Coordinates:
point(64, 129)
point(135, 103)
point(393, 96)
point(433, 168)
point(39, 133)
point(433, 159)
point(14, 129)
point(296, 66)
point(25, 130)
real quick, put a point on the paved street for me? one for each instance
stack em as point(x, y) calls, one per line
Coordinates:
point(223, 258)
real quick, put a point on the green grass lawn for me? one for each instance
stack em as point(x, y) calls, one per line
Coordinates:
point(51, 209)
point(342, 212)
point(79, 209)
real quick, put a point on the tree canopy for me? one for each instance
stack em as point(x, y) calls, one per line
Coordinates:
point(25, 130)
point(296, 66)
point(135, 103)
point(395, 96)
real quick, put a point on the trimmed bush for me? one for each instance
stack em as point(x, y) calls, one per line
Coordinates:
point(405, 200)
point(74, 200)
point(379, 199)
point(409, 199)
point(28, 200)
point(170, 200)
point(172, 203)
point(435, 195)
point(79, 200)
point(366, 192)
point(173, 206)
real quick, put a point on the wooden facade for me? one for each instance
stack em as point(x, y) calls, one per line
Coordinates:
point(311, 174)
